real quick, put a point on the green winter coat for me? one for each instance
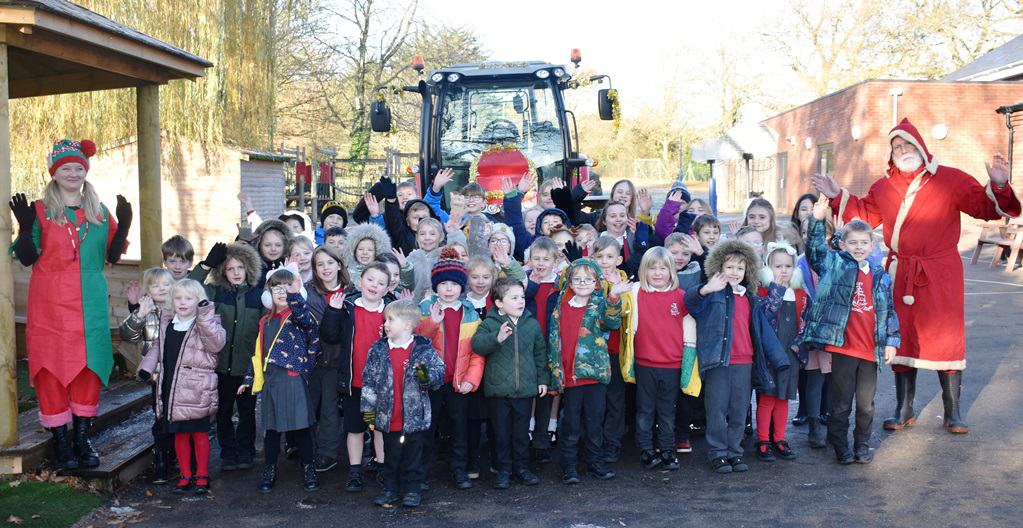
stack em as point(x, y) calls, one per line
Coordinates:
point(239, 307)
point(516, 367)
point(591, 357)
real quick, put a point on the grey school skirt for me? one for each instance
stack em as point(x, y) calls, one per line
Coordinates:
point(285, 401)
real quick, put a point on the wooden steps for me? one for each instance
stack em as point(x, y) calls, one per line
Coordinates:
point(125, 451)
point(117, 405)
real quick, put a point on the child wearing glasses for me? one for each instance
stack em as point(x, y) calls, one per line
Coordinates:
point(580, 365)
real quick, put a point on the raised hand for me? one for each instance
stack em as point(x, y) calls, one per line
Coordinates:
point(388, 189)
point(436, 313)
point(146, 306)
point(243, 197)
point(453, 225)
point(405, 294)
point(504, 332)
point(23, 212)
point(295, 286)
point(572, 251)
point(646, 202)
point(442, 178)
point(525, 182)
point(557, 183)
point(500, 257)
point(714, 284)
point(336, 301)
point(821, 207)
point(631, 224)
point(371, 204)
point(618, 289)
point(826, 185)
point(998, 170)
point(216, 256)
point(400, 255)
point(123, 211)
point(692, 244)
point(588, 186)
point(133, 292)
point(507, 187)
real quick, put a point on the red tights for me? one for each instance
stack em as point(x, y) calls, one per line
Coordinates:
point(183, 443)
point(772, 414)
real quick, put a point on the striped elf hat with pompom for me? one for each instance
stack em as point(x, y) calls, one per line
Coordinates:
point(70, 151)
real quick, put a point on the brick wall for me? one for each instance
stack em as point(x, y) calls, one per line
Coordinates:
point(975, 131)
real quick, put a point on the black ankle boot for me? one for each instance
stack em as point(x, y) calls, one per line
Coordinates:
point(905, 391)
point(87, 456)
point(160, 470)
point(64, 453)
point(951, 388)
point(266, 485)
point(310, 483)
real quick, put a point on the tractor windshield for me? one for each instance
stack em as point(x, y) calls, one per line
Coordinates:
point(475, 117)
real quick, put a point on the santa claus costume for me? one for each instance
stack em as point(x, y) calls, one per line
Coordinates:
point(67, 238)
point(920, 211)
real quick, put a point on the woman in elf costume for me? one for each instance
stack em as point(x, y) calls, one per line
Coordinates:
point(67, 238)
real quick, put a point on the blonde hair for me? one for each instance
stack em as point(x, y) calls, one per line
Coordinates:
point(300, 240)
point(434, 223)
point(654, 255)
point(405, 309)
point(191, 286)
point(482, 262)
point(152, 275)
point(55, 204)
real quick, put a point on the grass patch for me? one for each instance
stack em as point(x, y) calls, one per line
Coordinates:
point(54, 504)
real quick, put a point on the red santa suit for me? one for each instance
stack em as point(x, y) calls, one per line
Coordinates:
point(920, 214)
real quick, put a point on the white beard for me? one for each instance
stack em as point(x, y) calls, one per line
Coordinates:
point(909, 163)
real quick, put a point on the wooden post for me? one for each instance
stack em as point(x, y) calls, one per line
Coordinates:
point(8, 349)
point(149, 208)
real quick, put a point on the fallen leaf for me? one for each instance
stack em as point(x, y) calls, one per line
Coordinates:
point(149, 492)
point(15, 483)
point(14, 519)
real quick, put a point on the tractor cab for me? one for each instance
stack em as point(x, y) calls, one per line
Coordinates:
point(494, 120)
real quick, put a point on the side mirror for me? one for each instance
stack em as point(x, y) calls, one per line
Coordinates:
point(519, 104)
point(605, 106)
point(380, 117)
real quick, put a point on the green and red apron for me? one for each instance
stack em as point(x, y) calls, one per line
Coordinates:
point(68, 330)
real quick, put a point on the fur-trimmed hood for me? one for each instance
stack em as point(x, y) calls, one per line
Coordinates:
point(245, 254)
point(547, 212)
point(310, 227)
point(272, 224)
point(360, 232)
point(716, 259)
point(408, 205)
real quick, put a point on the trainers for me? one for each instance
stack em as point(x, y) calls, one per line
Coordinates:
point(764, 453)
point(738, 465)
point(783, 450)
point(527, 477)
point(323, 464)
point(474, 471)
point(411, 500)
point(683, 446)
point(601, 472)
point(862, 454)
point(721, 465)
point(462, 480)
point(386, 499)
point(570, 477)
point(503, 480)
point(611, 456)
point(844, 456)
point(649, 459)
point(668, 461)
point(355, 484)
point(799, 420)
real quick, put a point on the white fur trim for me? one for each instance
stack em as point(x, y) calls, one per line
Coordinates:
point(907, 203)
point(930, 165)
point(929, 365)
point(990, 192)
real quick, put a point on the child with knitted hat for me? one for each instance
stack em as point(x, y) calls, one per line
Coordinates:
point(332, 214)
point(449, 320)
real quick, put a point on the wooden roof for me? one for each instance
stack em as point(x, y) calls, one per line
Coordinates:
point(55, 46)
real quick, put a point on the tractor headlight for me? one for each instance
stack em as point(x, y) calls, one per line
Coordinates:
point(559, 72)
point(453, 77)
point(437, 77)
point(543, 74)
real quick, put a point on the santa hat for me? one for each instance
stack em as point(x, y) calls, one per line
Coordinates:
point(449, 268)
point(909, 133)
point(334, 207)
point(70, 151)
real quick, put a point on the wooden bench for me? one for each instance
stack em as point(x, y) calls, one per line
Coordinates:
point(1005, 237)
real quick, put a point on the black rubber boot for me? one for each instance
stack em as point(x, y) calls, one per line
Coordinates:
point(160, 462)
point(63, 451)
point(905, 391)
point(87, 456)
point(951, 388)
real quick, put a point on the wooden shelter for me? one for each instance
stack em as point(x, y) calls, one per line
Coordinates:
point(50, 47)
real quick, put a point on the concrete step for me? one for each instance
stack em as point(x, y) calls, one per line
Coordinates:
point(117, 402)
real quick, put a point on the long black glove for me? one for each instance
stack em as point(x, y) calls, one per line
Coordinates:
point(216, 256)
point(24, 248)
point(572, 251)
point(388, 188)
point(120, 240)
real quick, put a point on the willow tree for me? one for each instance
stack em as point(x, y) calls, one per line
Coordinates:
point(233, 104)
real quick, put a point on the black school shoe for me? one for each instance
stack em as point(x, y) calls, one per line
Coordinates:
point(387, 499)
point(764, 453)
point(649, 459)
point(502, 481)
point(862, 454)
point(738, 465)
point(844, 456)
point(668, 461)
point(527, 477)
point(411, 500)
point(354, 484)
point(462, 480)
point(601, 472)
point(721, 465)
point(571, 477)
point(783, 450)
point(183, 485)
